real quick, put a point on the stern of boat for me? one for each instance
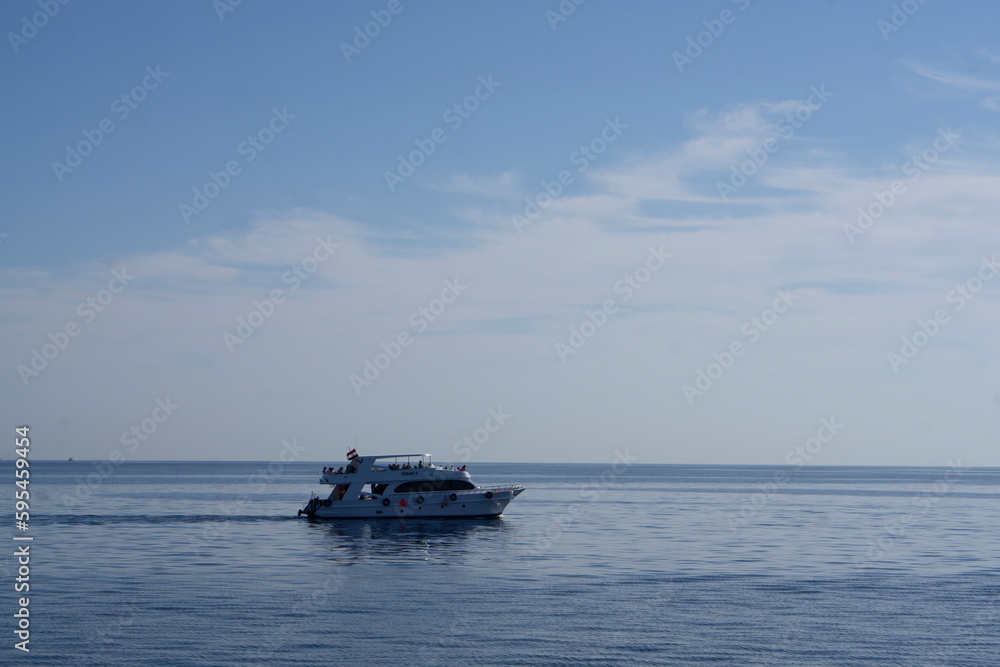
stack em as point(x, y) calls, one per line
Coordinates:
point(310, 509)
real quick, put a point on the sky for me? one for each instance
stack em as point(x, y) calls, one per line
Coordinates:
point(725, 232)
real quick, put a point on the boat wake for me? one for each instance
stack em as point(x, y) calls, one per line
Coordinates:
point(105, 519)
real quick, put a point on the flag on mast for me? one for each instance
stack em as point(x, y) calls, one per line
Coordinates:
point(351, 455)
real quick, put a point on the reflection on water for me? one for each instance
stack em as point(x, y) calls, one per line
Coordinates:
point(394, 541)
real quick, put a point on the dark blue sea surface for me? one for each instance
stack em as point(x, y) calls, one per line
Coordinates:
point(200, 563)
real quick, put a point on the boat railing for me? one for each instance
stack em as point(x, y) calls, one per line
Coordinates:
point(493, 489)
point(478, 489)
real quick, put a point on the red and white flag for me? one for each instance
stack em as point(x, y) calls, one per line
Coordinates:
point(351, 455)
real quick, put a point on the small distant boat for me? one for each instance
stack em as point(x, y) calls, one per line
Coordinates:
point(390, 486)
point(72, 459)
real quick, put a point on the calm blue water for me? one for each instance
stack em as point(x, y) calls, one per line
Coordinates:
point(644, 565)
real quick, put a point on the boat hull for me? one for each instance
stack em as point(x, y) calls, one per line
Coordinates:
point(437, 505)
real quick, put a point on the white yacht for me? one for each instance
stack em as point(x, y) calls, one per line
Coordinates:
point(404, 485)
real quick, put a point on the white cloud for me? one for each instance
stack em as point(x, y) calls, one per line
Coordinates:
point(495, 344)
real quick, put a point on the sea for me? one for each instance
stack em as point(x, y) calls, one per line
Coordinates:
point(207, 563)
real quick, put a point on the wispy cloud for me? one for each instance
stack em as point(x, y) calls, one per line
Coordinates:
point(498, 185)
point(963, 81)
point(272, 239)
point(689, 172)
point(179, 267)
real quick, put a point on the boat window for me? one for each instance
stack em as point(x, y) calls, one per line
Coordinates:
point(431, 485)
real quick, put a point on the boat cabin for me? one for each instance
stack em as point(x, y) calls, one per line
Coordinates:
point(375, 477)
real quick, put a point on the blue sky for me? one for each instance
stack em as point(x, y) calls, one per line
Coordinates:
point(315, 195)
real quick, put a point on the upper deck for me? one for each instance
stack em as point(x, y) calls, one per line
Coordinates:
point(379, 469)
